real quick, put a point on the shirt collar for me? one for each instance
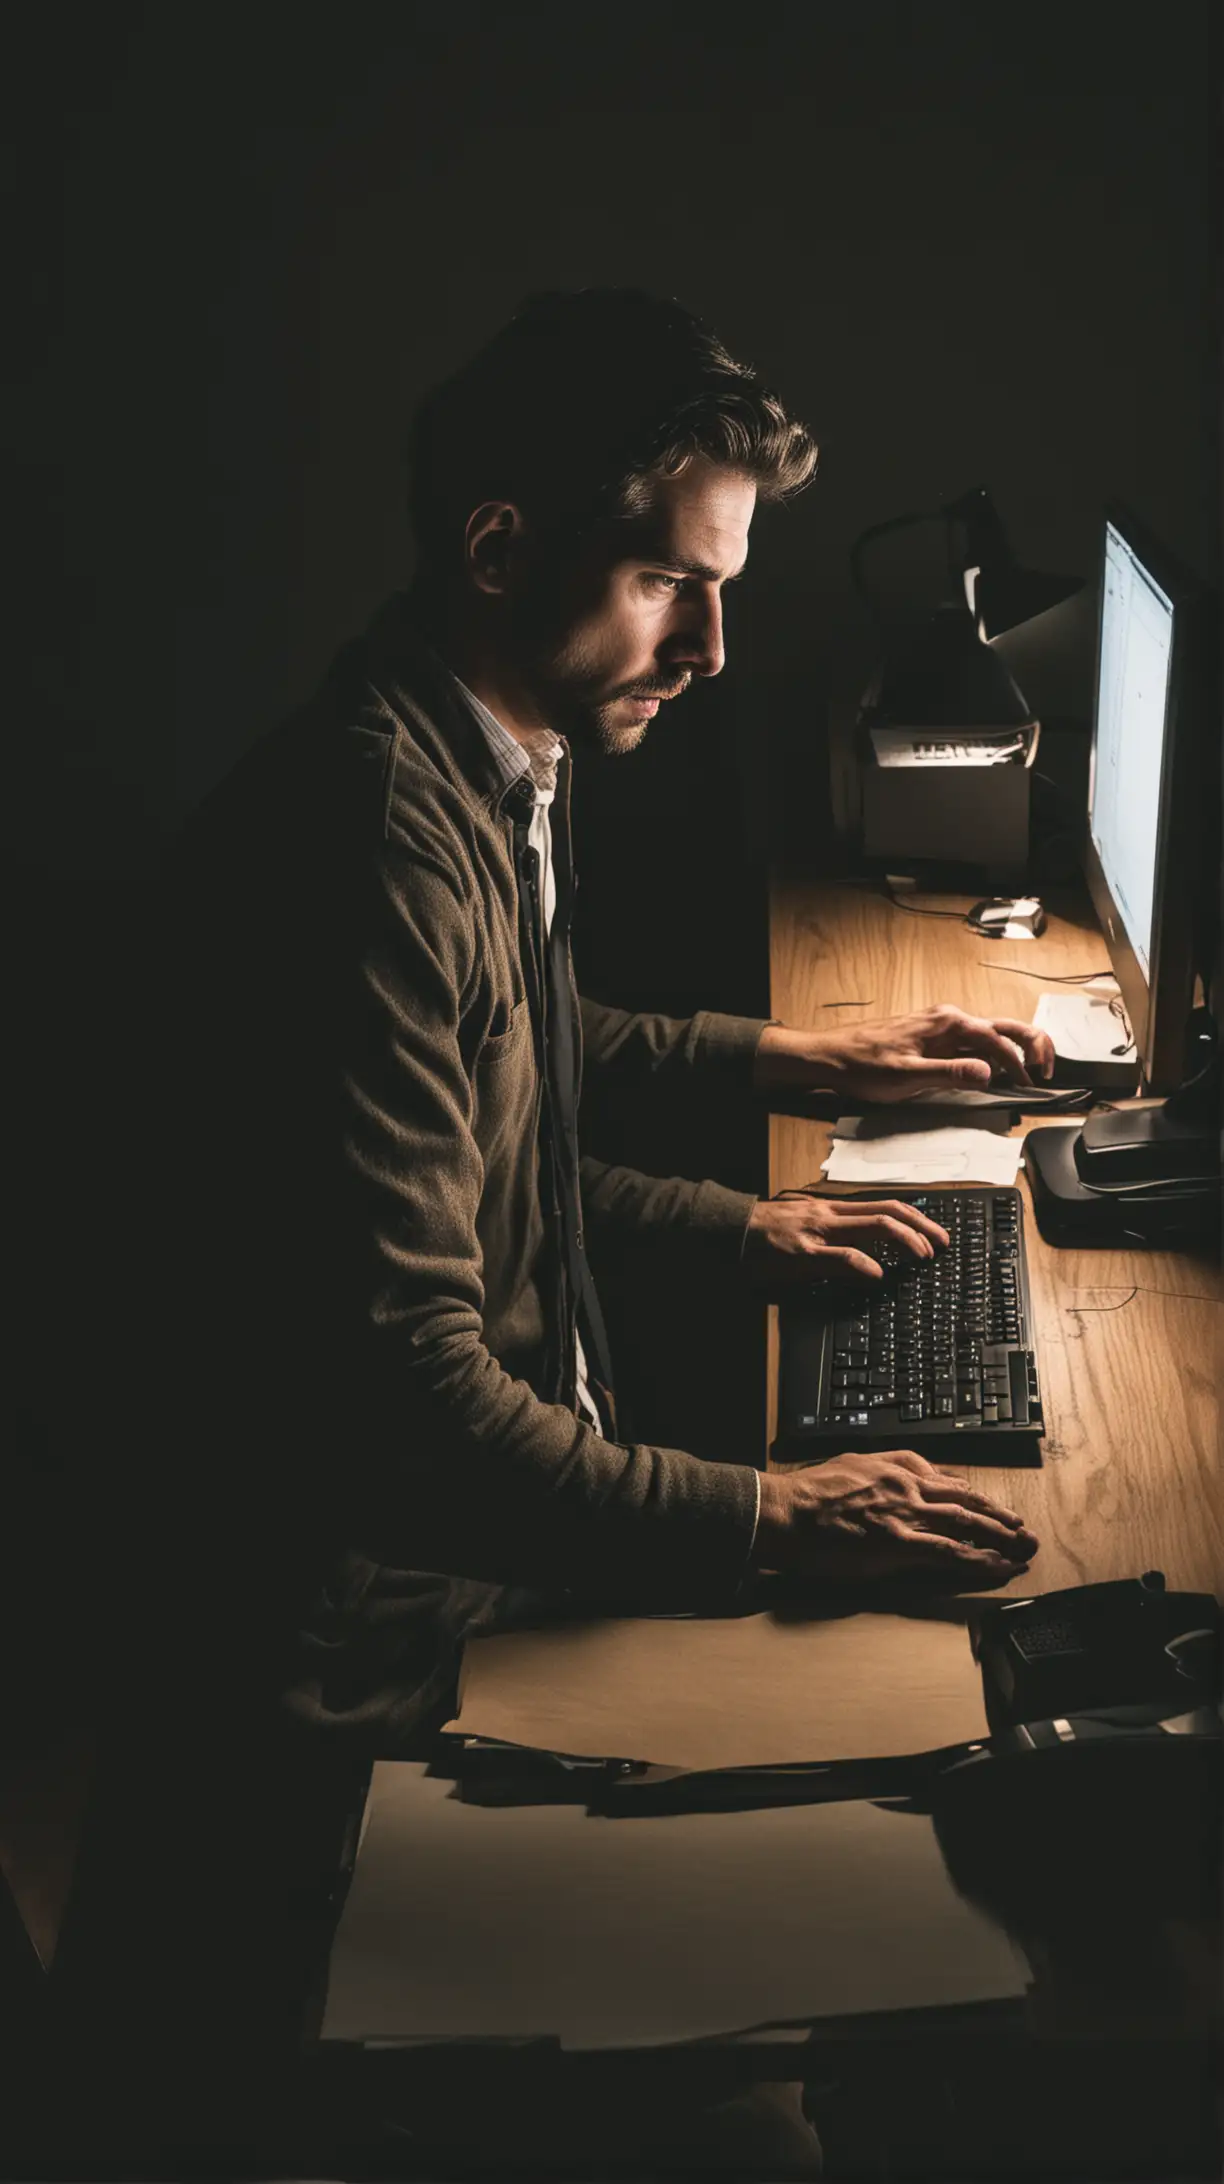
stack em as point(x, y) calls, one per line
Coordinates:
point(512, 758)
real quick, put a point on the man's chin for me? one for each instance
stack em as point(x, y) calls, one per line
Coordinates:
point(613, 730)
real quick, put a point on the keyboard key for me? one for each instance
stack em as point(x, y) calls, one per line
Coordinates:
point(1018, 1370)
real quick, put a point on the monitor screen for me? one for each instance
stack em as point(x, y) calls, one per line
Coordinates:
point(1136, 650)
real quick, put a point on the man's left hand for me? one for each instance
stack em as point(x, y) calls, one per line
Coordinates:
point(902, 1057)
point(801, 1239)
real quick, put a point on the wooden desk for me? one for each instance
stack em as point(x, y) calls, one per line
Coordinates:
point(1131, 1477)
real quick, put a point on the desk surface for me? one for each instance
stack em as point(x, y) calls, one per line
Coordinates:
point(1130, 1476)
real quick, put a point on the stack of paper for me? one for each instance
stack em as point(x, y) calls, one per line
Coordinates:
point(469, 1922)
point(1085, 1024)
point(947, 1155)
point(734, 1691)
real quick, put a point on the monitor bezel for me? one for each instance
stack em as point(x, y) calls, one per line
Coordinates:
point(1158, 1004)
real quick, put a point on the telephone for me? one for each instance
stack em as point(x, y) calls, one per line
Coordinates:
point(1145, 1174)
point(1125, 1643)
point(1101, 1787)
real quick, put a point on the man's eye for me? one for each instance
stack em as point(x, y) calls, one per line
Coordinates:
point(664, 583)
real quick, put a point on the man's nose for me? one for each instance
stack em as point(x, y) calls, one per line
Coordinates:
point(698, 642)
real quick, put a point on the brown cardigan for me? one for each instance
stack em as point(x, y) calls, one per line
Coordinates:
point(348, 1217)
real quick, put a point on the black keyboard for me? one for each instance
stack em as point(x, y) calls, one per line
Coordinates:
point(937, 1354)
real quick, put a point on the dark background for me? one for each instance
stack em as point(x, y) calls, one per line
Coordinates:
point(966, 242)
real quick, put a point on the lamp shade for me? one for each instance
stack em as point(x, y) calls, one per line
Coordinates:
point(1004, 592)
point(1005, 597)
point(938, 674)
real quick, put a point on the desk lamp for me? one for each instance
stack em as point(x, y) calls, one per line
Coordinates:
point(939, 687)
point(937, 670)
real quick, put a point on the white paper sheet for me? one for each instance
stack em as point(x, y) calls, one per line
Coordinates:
point(477, 1922)
point(922, 1156)
point(1083, 1026)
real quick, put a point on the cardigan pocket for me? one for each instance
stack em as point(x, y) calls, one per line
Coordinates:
point(500, 1046)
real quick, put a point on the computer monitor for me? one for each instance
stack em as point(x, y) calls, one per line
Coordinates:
point(1148, 779)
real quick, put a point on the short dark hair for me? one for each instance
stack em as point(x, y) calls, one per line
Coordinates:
point(577, 404)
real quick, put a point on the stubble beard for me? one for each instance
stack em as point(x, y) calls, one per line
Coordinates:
point(568, 700)
point(568, 690)
point(595, 728)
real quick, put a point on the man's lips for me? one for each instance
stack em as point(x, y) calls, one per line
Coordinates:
point(654, 697)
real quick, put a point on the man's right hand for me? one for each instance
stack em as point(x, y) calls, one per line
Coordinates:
point(886, 1515)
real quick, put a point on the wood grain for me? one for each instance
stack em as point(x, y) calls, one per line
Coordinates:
point(1131, 1476)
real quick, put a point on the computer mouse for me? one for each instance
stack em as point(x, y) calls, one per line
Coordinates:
point(1008, 917)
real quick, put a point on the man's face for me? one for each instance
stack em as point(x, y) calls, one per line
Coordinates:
point(636, 614)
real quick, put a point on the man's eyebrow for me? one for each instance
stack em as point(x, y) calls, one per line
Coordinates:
point(695, 568)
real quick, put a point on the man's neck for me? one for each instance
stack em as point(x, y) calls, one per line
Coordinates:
point(489, 679)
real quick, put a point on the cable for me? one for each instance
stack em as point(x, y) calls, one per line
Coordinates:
point(961, 916)
point(1052, 978)
point(1193, 1296)
point(870, 879)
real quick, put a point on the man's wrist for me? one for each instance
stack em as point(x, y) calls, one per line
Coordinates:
point(771, 1544)
point(791, 1060)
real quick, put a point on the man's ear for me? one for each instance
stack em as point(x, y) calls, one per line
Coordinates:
point(493, 533)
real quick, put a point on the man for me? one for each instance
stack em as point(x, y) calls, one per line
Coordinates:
point(361, 1368)
point(383, 1353)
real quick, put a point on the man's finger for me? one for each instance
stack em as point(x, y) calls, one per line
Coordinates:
point(937, 1547)
point(943, 1489)
point(896, 1208)
point(951, 1520)
point(1036, 1046)
point(883, 1224)
point(1006, 1056)
point(833, 1262)
point(931, 1073)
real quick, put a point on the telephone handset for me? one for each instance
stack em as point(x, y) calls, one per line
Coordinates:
point(1124, 1643)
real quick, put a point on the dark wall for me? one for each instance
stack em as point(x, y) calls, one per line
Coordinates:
point(966, 242)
